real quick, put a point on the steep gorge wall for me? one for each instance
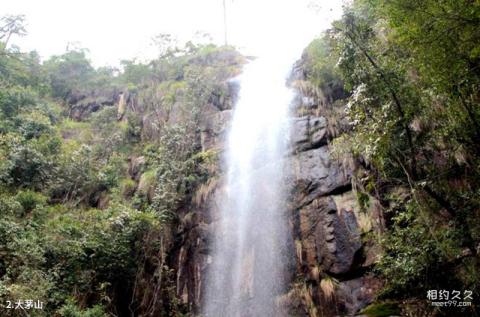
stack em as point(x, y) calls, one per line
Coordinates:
point(332, 244)
point(333, 250)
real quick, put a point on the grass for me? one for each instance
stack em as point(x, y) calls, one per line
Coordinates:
point(364, 222)
point(205, 191)
point(327, 285)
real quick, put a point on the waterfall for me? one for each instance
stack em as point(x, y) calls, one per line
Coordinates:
point(250, 245)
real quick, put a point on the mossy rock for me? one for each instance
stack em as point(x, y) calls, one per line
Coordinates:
point(146, 184)
point(381, 310)
point(128, 187)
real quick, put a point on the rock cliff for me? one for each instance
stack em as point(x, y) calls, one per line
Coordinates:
point(332, 247)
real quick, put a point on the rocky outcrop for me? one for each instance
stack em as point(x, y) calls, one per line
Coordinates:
point(327, 225)
point(82, 105)
point(313, 174)
point(217, 116)
point(225, 97)
point(330, 237)
point(214, 129)
point(135, 166)
point(330, 228)
point(309, 132)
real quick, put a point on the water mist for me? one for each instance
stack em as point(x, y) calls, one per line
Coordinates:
point(248, 265)
point(250, 251)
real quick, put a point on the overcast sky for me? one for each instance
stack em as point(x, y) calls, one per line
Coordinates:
point(122, 29)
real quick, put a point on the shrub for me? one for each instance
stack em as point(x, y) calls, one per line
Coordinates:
point(29, 200)
point(381, 310)
point(71, 309)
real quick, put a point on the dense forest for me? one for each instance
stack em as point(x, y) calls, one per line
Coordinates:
point(96, 164)
point(411, 71)
point(80, 211)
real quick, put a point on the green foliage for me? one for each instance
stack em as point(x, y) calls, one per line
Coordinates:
point(76, 176)
point(133, 131)
point(111, 173)
point(173, 168)
point(69, 72)
point(381, 310)
point(34, 124)
point(30, 200)
point(64, 250)
point(414, 127)
point(135, 73)
point(71, 309)
point(77, 221)
point(127, 187)
point(96, 246)
point(320, 69)
point(14, 99)
point(109, 135)
point(412, 267)
point(26, 163)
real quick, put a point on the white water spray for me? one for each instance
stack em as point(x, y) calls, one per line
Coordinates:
point(248, 266)
point(250, 251)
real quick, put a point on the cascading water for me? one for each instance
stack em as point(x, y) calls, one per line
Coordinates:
point(250, 251)
point(248, 259)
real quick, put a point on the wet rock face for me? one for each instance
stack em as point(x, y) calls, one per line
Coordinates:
point(355, 294)
point(214, 130)
point(225, 98)
point(191, 260)
point(308, 133)
point(313, 174)
point(327, 226)
point(329, 238)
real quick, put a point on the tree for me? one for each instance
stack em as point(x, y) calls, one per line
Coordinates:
point(11, 25)
point(414, 129)
point(70, 73)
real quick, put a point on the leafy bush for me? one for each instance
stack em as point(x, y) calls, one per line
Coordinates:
point(71, 309)
point(381, 310)
point(34, 124)
point(30, 200)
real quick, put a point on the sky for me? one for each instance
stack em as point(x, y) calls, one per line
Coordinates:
point(113, 30)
